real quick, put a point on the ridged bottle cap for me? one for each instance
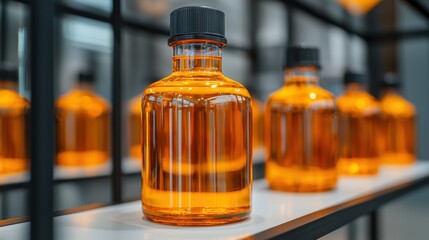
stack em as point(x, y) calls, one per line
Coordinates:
point(301, 56)
point(353, 77)
point(391, 80)
point(197, 23)
point(8, 72)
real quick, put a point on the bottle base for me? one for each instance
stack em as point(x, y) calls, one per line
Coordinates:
point(397, 158)
point(199, 217)
point(358, 166)
point(81, 158)
point(301, 180)
point(299, 187)
point(12, 165)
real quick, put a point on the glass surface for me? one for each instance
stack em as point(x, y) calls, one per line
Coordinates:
point(196, 142)
point(359, 132)
point(301, 135)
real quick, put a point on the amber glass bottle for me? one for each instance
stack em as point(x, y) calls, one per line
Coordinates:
point(359, 128)
point(301, 135)
point(398, 124)
point(134, 128)
point(258, 125)
point(13, 128)
point(196, 131)
point(83, 126)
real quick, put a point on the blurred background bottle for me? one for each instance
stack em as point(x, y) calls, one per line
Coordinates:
point(13, 123)
point(359, 123)
point(134, 127)
point(83, 125)
point(301, 129)
point(258, 128)
point(398, 127)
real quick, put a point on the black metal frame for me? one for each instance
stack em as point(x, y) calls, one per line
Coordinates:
point(42, 57)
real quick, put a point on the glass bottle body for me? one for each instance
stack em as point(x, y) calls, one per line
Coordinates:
point(196, 136)
point(359, 132)
point(134, 131)
point(398, 129)
point(83, 128)
point(13, 130)
point(301, 135)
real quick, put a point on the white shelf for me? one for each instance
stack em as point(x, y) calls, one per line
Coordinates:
point(271, 209)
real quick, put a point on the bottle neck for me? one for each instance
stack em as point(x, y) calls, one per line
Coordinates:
point(389, 91)
point(9, 85)
point(197, 55)
point(301, 75)
point(84, 86)
point(354, 87)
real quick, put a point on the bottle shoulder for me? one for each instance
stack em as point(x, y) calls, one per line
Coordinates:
point(198, 83)
point(82, 100)
point(10, 99)
point(358, 102)
point(303, 96)
point(393, 104)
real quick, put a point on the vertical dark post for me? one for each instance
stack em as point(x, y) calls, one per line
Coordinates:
point(253, 53)
point(3, 30)
point(116, 102)
point(374, 54)
point(373, 226)
point(389, 53)
point(42, 119)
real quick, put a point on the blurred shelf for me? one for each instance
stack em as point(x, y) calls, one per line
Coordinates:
point(67, 173)
point(275, 214)
point(130, 167)
point(14, 179)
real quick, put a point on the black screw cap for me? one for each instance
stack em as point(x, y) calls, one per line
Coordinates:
point(86, 77)
point(354, 77)
point(194, 22)
point(302, 56)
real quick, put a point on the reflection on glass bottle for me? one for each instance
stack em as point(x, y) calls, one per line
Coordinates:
point(258, 125)
point(196, 131)
point(398, 118)
point(134, 129)
point(13, 128)
point(83, 126)
point(301, 135)
point(359, 128)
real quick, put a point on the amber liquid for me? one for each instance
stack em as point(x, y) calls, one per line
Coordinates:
point(301, 138)
point(398, 130)
point(258, 125)
point(359, 133)
point(13, 132)
point(83, 129)
point(134, 130)
point(196, 148)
